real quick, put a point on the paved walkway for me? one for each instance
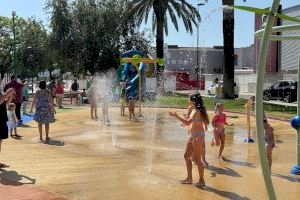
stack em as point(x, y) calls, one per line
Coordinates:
point(139, 160)
point(11, 190)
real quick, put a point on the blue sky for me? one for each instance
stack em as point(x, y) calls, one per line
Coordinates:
point(210, 27)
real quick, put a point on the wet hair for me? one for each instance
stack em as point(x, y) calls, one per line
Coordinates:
point(199, 105)
point(42, 85)
point(219, 105)
point(13, 77)
point(11, 106)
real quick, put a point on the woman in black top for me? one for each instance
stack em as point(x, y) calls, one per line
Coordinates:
point(4, 98)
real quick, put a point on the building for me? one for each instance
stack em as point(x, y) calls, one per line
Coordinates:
point(290, 50)
point(182, 62)
point(283, 57)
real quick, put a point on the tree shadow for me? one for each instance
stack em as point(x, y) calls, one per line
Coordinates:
point(225, 194)
point(288, 178)
point(55, 143)
point(239, 163)
point(13, 178)
point(225, 171)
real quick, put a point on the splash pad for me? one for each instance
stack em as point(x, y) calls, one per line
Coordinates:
point(265, 35)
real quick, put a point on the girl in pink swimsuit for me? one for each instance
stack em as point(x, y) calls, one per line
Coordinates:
point(219, 122)
point(196, 122)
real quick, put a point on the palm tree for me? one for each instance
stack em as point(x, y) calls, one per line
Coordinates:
point(228, 42)
point(176, 9)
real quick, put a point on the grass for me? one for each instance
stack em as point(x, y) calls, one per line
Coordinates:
point(236, 105)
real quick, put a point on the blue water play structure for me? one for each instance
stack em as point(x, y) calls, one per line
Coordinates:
point(128, 73)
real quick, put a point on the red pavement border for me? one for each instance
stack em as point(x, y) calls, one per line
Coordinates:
point(10, 190)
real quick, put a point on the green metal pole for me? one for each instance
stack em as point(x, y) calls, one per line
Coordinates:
point(14, 36)
point(259, 100)
point(298, 113)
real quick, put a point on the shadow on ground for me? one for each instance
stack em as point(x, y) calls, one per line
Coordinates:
point(13, 178)
point(55, 143)
point(288, 178)
point(239, 163)
point(225, 171)
point(225, 194)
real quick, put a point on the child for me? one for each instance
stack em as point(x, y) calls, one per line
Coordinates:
point(131, 108)
point(83, 98)
point(104, 102)
point(25, 97)
point(269, 140)
point(203, 159)
point(12, 122)
point(123, 101)
point(249, 112)
point(196, 122)
point(218, 122)
point(93, 96)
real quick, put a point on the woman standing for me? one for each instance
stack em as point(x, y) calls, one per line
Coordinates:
point(44, 113)
point(4, 99)
point(197, 123)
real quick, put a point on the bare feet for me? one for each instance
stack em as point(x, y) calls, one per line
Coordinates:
point(187, 181)
point(220, 156)
point(205, 163)
point(200, 184)
point(212, 142)
point(47, 139)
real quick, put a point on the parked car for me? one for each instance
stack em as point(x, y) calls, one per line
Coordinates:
point(284, 90)
point(212, 90)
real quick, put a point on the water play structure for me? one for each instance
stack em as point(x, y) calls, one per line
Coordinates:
point(133, 69)
point(266, 35)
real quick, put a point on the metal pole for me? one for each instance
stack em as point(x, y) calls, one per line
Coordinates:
point(14, 38)
point(298, 113)
point(140, 91)
point(197, 67)
point(259, 100)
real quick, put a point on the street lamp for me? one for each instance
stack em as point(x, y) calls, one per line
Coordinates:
point(14, 35)
point(200, 3)
point(29, 49)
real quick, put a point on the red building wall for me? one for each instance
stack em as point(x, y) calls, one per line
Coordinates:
point(273, 58)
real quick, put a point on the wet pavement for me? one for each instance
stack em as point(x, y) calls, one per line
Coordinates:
point(143, 160)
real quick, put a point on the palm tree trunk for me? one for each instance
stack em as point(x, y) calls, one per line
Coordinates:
point(228, 36)
point(160, 54)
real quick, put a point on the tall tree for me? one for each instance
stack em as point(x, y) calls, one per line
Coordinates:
point(228, 41)
point(177, 9)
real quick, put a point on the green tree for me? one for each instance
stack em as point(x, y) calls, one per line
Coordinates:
point(176, 9)
point(5, 45)
point(88, 35)
point(32, 49)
